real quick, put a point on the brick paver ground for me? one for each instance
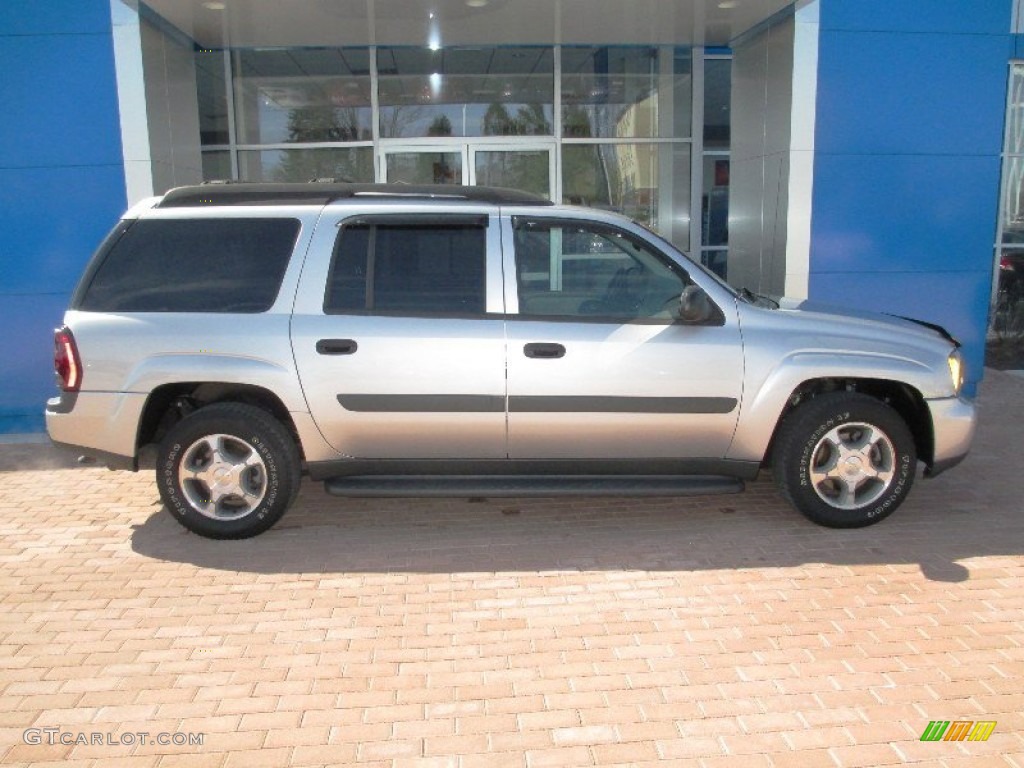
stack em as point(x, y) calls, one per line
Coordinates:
point(712, 631)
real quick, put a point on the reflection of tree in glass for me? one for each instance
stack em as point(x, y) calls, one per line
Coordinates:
point(586, 173)
point(530, 120)
point(434, 168)
point(533, 121)
point(395, 121)
point(590, 176)
point(440, 126)
point(576, 123)
point(617, 176)
point(354, 165)
point(322, 122)
point(497, 121)
point(526, 170)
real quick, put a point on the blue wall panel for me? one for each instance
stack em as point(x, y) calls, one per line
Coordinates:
point(27, 340)
point(61, 181)
point(908, 135)
point(900, 213)
point(56, 111)
point(959, 16)
point(910, 93)
point(50, 17)
point(54, 218)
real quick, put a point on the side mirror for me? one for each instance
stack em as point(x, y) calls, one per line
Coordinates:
point(695, 308)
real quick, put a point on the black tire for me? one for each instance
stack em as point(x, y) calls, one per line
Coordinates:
point(811, 444)
point(222, 440)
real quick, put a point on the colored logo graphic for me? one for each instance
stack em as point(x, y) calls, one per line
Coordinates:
point(958, 730)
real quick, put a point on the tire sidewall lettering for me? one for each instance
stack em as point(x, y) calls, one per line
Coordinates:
point(897, 490)
point(805, 455)
point(169, 478)
point(808, 424)
point(175, 496)
point(265, 436)
point(273, 481)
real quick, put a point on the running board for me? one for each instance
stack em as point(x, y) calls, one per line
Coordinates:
point(443, 486)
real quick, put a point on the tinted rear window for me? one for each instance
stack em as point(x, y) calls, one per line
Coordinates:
point(417, 269)
point(193, 265)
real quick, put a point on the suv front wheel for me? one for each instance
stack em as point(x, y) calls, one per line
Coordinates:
point(845, 460)
point(228, 471)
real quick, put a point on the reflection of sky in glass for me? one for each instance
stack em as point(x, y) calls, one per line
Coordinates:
point(273, 123)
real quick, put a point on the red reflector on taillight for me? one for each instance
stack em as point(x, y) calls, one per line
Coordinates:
point(66, 361)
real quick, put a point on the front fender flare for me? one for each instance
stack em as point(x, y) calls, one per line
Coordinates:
point(761, 411)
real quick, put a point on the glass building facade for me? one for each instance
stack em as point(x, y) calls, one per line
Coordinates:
point(1008, 304)
point(642, 130)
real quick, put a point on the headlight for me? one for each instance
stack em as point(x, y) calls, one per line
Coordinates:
point(956, 370)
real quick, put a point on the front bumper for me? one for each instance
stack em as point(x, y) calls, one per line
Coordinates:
point(954, 421)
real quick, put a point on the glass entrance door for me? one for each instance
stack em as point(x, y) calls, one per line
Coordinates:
point(526, 167)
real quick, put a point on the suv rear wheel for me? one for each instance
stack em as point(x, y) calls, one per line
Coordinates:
point(845, 460)
point(228, 471)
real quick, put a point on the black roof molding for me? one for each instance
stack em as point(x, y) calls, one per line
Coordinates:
point(320, 193)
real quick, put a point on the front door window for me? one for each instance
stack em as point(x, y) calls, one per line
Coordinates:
point(591, 273)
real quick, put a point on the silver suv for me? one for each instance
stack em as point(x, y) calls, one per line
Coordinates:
point(449, 341)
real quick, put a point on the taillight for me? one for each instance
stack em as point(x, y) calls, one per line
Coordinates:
point(66, 362)
point(1006, 264)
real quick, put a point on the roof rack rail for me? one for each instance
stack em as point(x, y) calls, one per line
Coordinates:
point(324, 192)
point(329, 180)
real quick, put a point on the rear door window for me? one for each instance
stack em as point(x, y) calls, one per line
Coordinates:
point(421, 267)
point(193, 265)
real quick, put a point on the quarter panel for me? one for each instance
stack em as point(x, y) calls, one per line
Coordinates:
point(137, 352)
